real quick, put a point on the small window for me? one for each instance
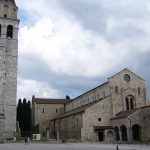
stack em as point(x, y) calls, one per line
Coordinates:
point(0, 30)
point(99, 119)
point(127, 103)
point(56, 110)
point(131, 103)
point(43, 110)
point(9, 31)
point(5, 11)
point(116, 89)
point(5, 15)
point(93, 98)
point(103, 94)
point(139, 90)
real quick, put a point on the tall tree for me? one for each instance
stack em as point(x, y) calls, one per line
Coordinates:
point(24, 116)
point(19, 106)
point(29, 117)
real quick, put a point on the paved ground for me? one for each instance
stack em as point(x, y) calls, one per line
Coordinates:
point(71, 147)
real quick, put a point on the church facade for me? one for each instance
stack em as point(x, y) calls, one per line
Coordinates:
point(8, 67)
point(117, 110)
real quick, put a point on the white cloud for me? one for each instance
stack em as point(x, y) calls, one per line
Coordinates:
point(29, 87)
point(68, 48)
point(61, 42)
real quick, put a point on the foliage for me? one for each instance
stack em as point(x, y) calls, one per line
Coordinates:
point(24, 117)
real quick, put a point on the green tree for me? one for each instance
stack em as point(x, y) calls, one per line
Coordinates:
point(19, 110)
point(28, 115)
point(24, 116)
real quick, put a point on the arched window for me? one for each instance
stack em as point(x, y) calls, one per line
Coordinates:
point(130, 102)
point(139, 90)
point(5, 11)
point(127, 103)
point(124, 133)
point(116, 89)
point(0, 30)
point(9, 31)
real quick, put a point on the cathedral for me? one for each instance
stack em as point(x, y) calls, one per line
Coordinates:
point(115, 111)
point(8, 67)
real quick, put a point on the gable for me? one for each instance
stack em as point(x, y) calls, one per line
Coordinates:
point(126, 77)
point(126, 71)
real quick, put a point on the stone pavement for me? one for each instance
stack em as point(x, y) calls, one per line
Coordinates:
point(71, 146)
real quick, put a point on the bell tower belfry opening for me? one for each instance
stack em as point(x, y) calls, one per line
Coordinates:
point(8, 67)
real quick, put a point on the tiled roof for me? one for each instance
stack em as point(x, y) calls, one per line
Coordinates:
point(88, 91)
point(79, 110)
point(49, 101)
point(124, 114)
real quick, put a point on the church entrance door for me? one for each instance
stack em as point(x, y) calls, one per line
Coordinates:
point(101, 136)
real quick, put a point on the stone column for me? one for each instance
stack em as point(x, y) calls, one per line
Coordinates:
point(47, 135)
point(57, 135)
point(120, 135)
point(129, 134)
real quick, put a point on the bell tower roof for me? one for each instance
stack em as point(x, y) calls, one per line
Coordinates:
point(11, 1)
point(8, 9)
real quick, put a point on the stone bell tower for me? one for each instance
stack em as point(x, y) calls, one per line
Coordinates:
point(8, 67)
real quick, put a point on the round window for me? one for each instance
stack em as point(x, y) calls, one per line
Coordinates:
point(99, 119)
point(126, 77)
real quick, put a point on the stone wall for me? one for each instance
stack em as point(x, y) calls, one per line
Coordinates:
point(8, 65)
point(141, 118)
point(91, 113)
point(68, 128)
point(46, 112)
point(7, 9)
point(89, 97)
point(96, 115)
point(125, 89)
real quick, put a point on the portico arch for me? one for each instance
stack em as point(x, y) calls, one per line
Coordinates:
point(124, 132)
point(136, 132)
point(117, 133)
point(110, 136)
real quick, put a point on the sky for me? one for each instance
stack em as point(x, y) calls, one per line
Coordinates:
point(67, 47)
